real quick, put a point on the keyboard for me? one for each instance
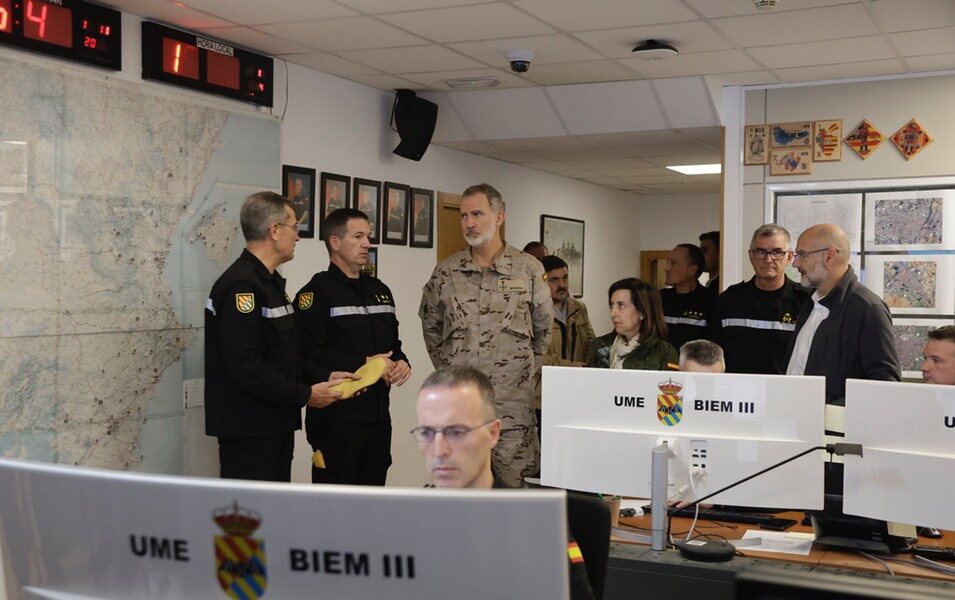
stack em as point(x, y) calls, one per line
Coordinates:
point(728, 516)
point(935, 552)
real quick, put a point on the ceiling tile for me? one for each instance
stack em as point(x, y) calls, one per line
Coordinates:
point(351, 33)
point(729, 8)
point(907, 15)
point(632, 139)
point(711, 136)
point(417, 59)
point(590, 71)
point(793, 27)
point(927, 41)
point(571, 155)
point(256, 12)
point(549, 166)
point(329, 63)
point(603, 14)
point(693, 36)
point(383, 81)
point(465, 23)
point(707, 158)
point(472, 146)
point(514, 157)
point(686, 101)
point(607, 107)
point(378, 6)
point(437, 80)
point(258, 41)
point(747, 78)
point(823, 53)
point(171, 13)
point(504, 114)
point(604, 180)
point(541, 143)
point(700, 63)
point(934, 62)
point(548, 49)
point(857, 69)
point(688, 148)
point(626, 173)
point(601, 165)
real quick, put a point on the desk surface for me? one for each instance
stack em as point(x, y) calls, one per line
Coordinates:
point(819, 556)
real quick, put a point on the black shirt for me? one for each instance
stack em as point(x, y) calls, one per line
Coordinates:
point(687, 315)
point(252, 358)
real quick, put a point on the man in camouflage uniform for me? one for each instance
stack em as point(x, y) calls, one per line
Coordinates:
point(489, 307)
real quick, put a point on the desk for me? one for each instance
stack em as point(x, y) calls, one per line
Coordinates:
point(637, 571)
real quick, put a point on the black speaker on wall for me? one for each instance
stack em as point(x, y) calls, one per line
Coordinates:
point(413, 118)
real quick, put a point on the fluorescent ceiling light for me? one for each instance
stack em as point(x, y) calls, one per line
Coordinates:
point(472, 83)
point(696, 169)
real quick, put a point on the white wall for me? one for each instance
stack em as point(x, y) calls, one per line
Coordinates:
point(888, 104)
point(338, 126)
point(666, 221)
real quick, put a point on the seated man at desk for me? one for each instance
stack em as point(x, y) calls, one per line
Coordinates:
point(457, 428)
point(939, 364)
point(702, 356)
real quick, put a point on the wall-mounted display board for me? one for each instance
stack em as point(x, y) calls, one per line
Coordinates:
point(70, 29)
point(902, 241)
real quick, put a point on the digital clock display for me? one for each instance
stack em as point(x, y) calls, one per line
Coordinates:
point(70, 29)
point(199, 63)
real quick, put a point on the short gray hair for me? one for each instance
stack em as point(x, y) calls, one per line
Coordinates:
point(259, 212)
point(493, 196)
point(460, 376)
point(702, 352)
point(770, 229)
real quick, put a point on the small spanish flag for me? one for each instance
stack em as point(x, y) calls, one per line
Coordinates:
point(573, 553)
point(673, 366)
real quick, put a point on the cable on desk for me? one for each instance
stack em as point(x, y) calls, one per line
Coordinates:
point(878, 560)
point(928, 563)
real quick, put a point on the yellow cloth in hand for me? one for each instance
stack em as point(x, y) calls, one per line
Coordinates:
point(368, 374)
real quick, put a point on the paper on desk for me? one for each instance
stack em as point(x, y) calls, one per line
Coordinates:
point(780, 541)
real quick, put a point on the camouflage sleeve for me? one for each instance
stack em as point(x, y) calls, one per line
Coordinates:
point(543, 311)
point(431, 319)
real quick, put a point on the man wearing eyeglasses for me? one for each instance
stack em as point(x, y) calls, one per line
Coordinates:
point(254, 371)
point(846, 331)
point(754, 320)
point(457, 429)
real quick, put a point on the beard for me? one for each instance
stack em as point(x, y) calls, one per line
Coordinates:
point(479, 238)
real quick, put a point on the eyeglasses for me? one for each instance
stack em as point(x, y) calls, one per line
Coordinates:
point(452, 434)
point(802, 254)
point(293, 225)
point(762, 253)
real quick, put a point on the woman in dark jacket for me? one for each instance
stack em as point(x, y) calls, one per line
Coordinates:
point(637, 339)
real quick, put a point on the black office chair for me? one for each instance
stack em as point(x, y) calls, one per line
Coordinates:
point(589, 520)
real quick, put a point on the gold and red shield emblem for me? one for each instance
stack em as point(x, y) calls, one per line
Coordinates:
point(245, 303)
point(305, 300)
point(670, 403)
point(240, 558)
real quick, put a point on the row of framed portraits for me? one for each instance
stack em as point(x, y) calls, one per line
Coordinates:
point(399, 214)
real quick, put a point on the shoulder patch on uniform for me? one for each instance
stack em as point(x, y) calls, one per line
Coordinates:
point(544, 276)
point(305, 300)
point(245, 303)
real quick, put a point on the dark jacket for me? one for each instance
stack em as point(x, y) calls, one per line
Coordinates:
point(854, 342)
point(651, 355)
point(253, 367)
point(754, 327)
point(687, 315)
point(344, 321)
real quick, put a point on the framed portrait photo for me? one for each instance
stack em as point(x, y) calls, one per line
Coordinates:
point(298, 185)
point(334, 196)
point(372, 267)
point(565, 238)
point(422, 219)
point(367, 195)
point(394, 219)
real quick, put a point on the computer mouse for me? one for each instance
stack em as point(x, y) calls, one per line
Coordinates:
point(929, 532)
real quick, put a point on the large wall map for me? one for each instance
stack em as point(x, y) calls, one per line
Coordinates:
point(118, 208)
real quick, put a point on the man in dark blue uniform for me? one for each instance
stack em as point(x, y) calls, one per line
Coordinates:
point(687, 304)
point(755, 320)
point(348, 317)
point(254, 390)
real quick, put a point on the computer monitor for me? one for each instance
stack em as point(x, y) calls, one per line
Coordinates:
point(599, 426)
point(907, 432)
point(70, 532)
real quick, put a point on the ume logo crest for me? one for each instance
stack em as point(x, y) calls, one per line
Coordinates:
point(240, 558)
point(670, 403)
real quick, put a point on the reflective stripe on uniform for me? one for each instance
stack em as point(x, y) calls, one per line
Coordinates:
point(209, 306)
point(758, 324)
point(278, 311)
point(685, 321)
point(344, 311)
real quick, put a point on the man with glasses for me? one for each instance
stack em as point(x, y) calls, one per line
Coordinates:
point(253, 389)
point(457, 429)
point(846, 331)
point(754, 320)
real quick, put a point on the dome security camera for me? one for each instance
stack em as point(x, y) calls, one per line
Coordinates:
point(520, 60)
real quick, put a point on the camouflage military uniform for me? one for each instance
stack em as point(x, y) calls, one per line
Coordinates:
point(497, 320)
